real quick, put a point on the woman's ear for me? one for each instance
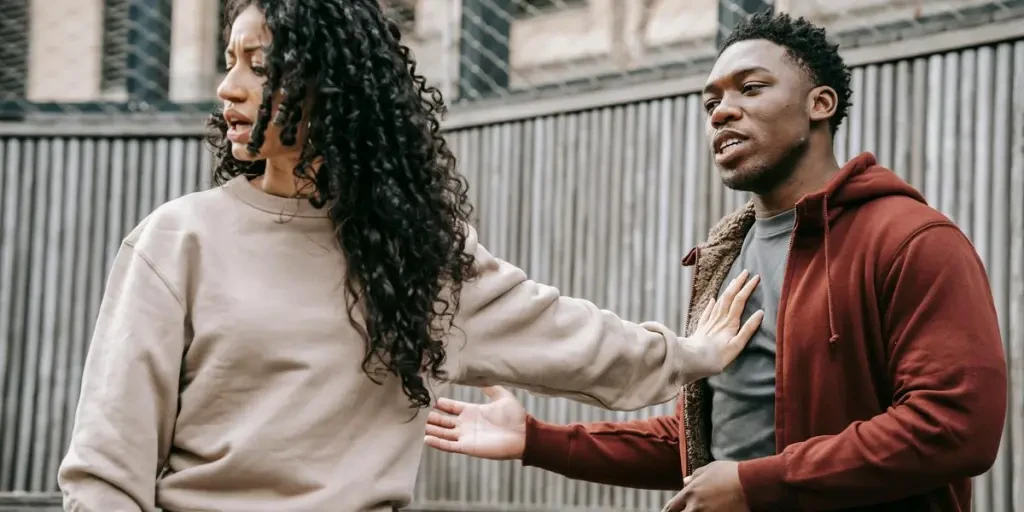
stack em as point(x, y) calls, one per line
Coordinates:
point(823, 102)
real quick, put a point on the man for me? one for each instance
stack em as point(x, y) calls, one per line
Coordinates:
point(877, 377)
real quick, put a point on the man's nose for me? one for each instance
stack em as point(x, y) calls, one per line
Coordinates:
point(723, 114)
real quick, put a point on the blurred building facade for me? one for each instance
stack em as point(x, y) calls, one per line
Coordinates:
point(82, 50)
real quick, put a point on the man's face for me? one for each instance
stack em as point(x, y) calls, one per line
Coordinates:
point(758, 103)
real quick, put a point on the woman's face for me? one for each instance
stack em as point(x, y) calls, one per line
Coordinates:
point(242, 89)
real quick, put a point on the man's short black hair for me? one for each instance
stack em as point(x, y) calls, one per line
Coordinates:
point(808, 45)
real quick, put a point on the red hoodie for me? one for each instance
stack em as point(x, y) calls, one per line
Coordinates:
point(890, 371)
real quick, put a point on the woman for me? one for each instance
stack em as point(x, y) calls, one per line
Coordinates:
point(271, 343)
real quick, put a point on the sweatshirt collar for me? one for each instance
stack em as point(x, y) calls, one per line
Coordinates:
point(241, 188)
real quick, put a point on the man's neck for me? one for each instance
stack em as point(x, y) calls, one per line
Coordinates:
point(810, 174)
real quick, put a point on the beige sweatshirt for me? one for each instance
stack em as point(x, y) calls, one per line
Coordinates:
point(224, 374)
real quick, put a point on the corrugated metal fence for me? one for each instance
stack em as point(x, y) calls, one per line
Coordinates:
point(601, 203)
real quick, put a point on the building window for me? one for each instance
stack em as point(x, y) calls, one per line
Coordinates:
point(136, 49)
point(13, 48)
point(114, 67)
point(222, 45)
point(733, 12)
point(526, 8)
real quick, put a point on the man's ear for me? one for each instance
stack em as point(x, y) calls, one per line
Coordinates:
point(823, 102)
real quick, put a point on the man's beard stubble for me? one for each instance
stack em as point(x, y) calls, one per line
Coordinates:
point(763, 177)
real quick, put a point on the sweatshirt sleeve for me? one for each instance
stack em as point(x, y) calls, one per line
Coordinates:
point(129, 396)
point(948, 373)
point(642, 454)
point(516, 332)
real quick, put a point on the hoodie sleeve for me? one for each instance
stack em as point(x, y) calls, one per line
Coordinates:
point(519, 333)
point(129, 396)
point(641, 454)
point(948, 373)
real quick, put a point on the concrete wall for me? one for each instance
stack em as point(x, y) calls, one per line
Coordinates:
point(64, 46)
point(608, 36)
point(195, 28)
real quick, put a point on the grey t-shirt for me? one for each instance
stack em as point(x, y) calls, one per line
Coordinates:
point(743, 396)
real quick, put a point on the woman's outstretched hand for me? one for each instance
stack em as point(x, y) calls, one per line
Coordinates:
point(719, 337)
point(495, 430)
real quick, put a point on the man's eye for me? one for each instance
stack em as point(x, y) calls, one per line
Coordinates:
point(710, 105)
point(752, 87)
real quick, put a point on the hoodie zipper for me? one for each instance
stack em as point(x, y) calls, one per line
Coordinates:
point(694, 260)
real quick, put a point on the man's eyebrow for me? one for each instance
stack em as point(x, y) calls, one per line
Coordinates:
point(735, 74)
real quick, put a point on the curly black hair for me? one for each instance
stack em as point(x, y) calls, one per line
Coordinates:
point(808, 45)
point(386, 177)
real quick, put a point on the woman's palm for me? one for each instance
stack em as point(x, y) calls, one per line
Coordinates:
point(495, 430)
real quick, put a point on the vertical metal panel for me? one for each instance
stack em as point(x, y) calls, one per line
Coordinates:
point(83, 249)
point(38, 268)
point(965, 143)
point(10, 293)
point(1015, 311)
point(933, 132)
point(901, 147)
point(602, 204)
point(999, 255)
point(855, 130)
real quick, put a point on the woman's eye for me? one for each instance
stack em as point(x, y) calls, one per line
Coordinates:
point(259, 70)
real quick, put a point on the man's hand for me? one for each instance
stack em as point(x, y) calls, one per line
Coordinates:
point(712, 488)
point(496, 430)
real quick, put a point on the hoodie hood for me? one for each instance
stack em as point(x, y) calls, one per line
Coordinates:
point(859, 181)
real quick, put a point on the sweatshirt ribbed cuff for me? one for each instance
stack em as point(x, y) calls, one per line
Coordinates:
point(763, 482)
point(547, 446)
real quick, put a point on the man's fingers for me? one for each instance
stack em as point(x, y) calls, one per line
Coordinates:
point(740, 300)
point(441, 420)
point(736, 344)
point(497, 392)
point(448, 434)
point(442, 444)
point(450, 406)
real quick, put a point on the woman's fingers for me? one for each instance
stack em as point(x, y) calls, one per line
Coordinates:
point(739, 301)
point(724, 304)
point(707, 313)
point(441, 420)
point(736, 344)
point(450, 406)
point(442, 444)
point(449, 434)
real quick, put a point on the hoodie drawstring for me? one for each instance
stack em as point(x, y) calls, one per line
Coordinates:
point(833, 335)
